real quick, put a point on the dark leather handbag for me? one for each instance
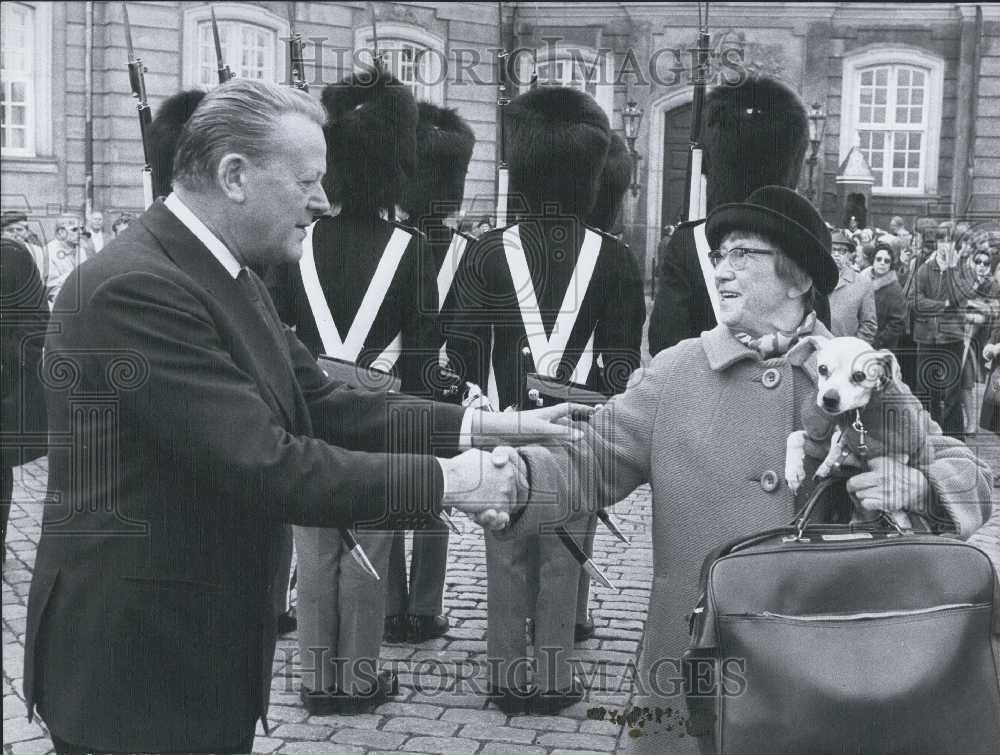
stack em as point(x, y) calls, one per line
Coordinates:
point(989, 414)
point(831, 639)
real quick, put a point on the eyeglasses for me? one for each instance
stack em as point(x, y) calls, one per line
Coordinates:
point(884, 260)
point(981, 263)
point(737, 256)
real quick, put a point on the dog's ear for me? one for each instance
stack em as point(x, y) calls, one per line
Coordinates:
point(817, 342)
point(890, 369)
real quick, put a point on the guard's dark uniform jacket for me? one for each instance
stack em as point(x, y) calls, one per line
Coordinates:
point(682, 308)
point(571, 294)
point(383, 304)
point(363, 293)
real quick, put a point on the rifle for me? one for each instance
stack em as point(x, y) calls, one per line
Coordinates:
point(503, 172)
point(694, 201)
point(138, 83)
point(225, 74)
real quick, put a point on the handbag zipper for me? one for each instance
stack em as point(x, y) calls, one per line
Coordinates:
point(867, 615)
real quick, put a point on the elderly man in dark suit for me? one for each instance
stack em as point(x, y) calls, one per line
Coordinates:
point(186, 424)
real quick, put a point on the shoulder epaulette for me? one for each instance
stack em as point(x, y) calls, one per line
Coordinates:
point(412, 230)
point(606, 235)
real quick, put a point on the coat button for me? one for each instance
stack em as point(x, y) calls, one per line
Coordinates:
point(769, 481)
point(771, 378)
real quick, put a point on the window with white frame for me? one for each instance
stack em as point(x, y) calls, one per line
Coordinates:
point(579, 68)
point(412, 55)
point(18, 98)
point(251, 38)
point(248, 49)
point(892, 114)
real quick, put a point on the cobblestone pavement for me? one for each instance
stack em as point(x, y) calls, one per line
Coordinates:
point(440, 708)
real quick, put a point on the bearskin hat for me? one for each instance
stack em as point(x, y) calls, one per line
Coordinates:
point(444, 149)
point(615, 178)
point(164, 131)
point(558, 141)
point(370, 140)
point(756, 134)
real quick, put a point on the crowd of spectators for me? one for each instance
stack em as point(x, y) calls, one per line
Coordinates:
point(933, 299)
point(74, 242)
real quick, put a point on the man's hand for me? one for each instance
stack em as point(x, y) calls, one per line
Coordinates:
point(890, 485)
point(486, 485)
point(526, 428)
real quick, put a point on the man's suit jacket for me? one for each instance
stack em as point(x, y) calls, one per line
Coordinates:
point(682, 308)
point(185, 423)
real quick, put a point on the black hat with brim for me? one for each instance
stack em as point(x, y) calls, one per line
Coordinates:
point(790, 221)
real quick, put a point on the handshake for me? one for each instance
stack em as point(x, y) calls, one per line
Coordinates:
point(492, 485)
point(487, 486)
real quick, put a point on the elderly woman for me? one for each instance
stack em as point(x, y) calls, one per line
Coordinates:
point(706, 423)
point(890, 307)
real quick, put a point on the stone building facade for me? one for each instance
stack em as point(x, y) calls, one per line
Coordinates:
point(916, 86)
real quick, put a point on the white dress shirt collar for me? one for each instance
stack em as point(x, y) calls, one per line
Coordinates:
point(203, 234)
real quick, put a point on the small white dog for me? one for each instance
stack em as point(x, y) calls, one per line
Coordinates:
point(862, 408)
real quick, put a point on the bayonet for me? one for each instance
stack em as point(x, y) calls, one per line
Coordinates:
point(581, 558)
point(357, 552)
point(605, 517)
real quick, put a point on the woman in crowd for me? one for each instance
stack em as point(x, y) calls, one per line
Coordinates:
point(890, 308)
point(980, 320)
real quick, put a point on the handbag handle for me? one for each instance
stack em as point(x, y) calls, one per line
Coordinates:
point(801, 521)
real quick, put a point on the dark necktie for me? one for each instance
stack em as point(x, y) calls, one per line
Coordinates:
point(254, 290)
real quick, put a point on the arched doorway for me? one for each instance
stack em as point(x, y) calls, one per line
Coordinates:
point(676, 143)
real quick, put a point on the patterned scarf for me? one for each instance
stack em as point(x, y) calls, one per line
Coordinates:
point(776, 344)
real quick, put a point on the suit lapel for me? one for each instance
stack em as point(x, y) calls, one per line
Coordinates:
point(268, 361)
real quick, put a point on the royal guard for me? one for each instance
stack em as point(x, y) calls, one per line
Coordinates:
point(432, 198)
point(546, 295)
point(615, 179)
point(755, 134)
point(363, 295)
